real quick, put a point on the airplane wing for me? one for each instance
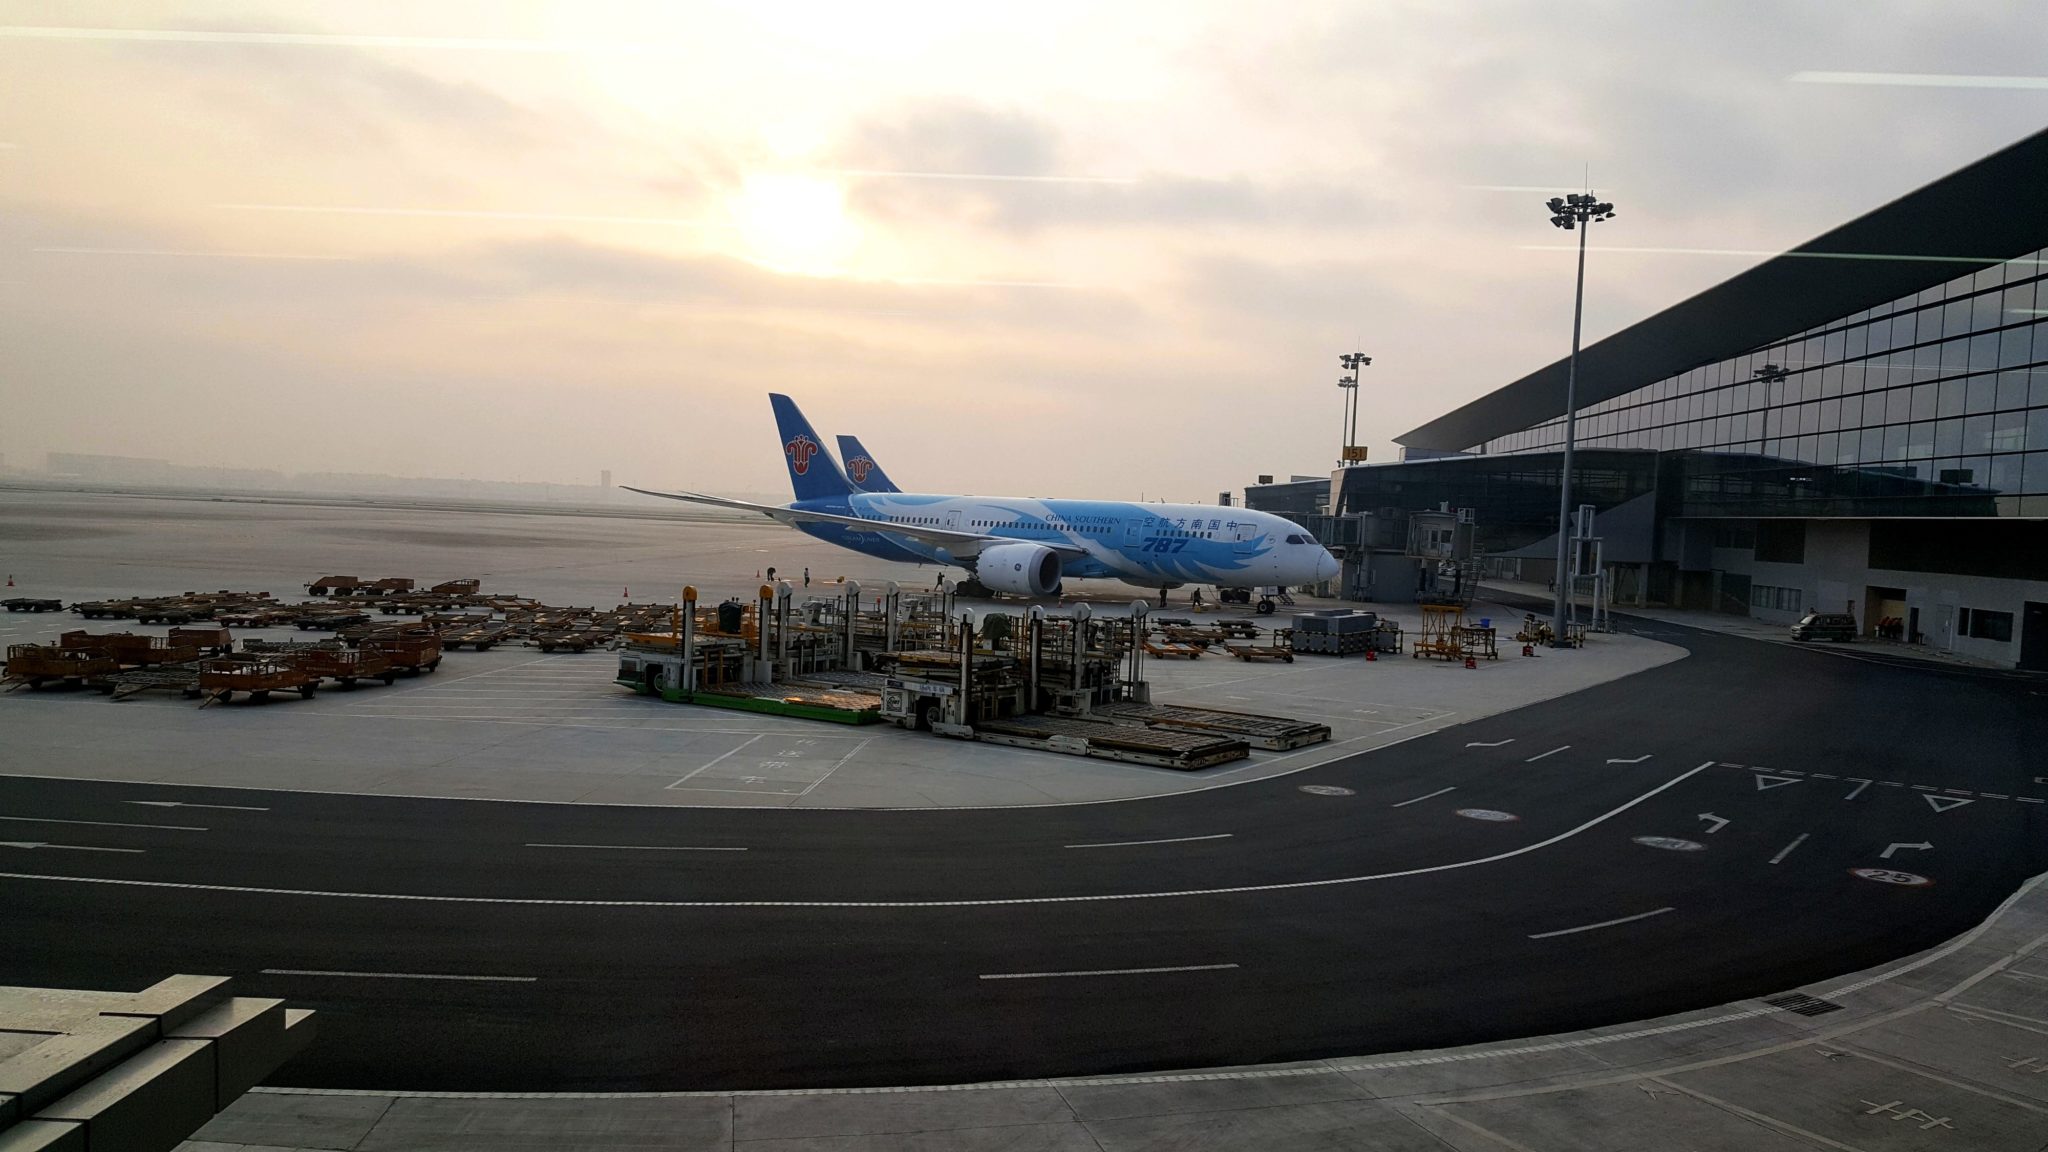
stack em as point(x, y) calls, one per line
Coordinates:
point(961, 545)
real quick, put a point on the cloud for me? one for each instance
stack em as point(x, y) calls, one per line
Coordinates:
point(890, 161)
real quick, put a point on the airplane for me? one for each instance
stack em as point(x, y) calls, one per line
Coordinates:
point(1027, 546)
point(861, 468)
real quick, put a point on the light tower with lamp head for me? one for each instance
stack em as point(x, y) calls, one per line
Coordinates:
point(1352, 362)
point(1576, 210)
point(1768, 375)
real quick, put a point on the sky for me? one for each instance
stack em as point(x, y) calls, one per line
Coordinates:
point(1079, 249)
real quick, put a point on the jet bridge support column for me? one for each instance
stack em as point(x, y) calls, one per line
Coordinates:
point(782, 595)
point(1034, 632)
point(686, 643)
point(892, 601)
point(764, 600)
point(849, 609)
point(966, 713)
point(1079, 655)
point(1135, 688)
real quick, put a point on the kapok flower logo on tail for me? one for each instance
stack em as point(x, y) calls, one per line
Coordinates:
point(800, 451)
point(859, 467)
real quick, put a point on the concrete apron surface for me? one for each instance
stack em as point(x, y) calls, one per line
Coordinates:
point(1945, 1050)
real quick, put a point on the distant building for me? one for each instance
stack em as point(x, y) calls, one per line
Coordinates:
point(1859, 425)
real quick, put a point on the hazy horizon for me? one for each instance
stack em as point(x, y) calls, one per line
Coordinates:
point(1073, 250)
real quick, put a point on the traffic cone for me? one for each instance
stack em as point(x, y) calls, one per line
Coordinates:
point(1371, 655)
point(10, 579)
point(1471, 662)
point(1528, 650)
point(625, 593)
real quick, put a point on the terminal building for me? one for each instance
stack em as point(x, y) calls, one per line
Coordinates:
point(1857, 425)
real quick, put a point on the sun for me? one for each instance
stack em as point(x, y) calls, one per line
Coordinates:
point(794, 223)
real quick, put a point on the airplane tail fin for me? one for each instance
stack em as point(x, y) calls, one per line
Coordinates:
point(813, 473)
point(862, 469)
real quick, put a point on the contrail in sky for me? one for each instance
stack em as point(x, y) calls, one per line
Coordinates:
point(343, 40)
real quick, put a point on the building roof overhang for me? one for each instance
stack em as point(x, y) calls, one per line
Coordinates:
point(1978, 216)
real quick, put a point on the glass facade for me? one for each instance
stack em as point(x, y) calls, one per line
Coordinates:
point(1932, 405)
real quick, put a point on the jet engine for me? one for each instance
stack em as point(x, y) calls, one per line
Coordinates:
point(1020, 569)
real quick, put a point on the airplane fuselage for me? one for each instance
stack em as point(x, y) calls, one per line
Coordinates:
point(1152, 545)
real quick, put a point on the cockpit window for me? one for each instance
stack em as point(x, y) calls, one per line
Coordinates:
point(1298, 538)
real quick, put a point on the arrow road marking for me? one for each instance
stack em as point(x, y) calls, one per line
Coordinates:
point(1944, 803)
point(1887, 853)
point(1141, 843)
point(1787, 849)
point(1719, 822)
point(1420, 799)
point(183, 804)
point(1763, 782)
point(1107, 972)
point(1495, 744)
point(400, 975)
point(1637, 760)
point(639, 847)
point(32, 844)
point(101, 823)
point(1602, 924)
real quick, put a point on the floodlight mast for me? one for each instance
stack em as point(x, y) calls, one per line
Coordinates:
point(1352, 362)
point(1575, 210)
point(1768, 375)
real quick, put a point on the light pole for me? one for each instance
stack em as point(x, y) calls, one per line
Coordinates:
point(1768, 375)
point(1568, 212)
point(1352, 362)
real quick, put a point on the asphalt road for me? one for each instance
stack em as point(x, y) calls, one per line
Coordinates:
point(1678, 839)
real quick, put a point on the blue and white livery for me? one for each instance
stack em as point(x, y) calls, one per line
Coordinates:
point(1026, 546)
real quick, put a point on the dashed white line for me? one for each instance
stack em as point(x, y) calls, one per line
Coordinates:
point(1106, 972)
point(1420, 799)
point(1001, 901)
point(716, 759)
point(399, 976)
point(1787, 849)
point(1541, 755)
point(1141, 843)
point(1994, 795)
point(1601, 924)
point(640, 847)
point(101, 823)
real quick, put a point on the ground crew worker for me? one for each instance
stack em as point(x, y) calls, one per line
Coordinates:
point(807, 577)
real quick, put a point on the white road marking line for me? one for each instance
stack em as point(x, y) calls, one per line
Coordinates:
point(1601, 924)
point(1824, 776)
point(1637, 760)
point(34, 844)
point(1541, 755)
point(713, 761)
point(836, 764)
point(1994, 795)
point(1141, 843)
point(1891, 783)
point(1287, 886)
point(101, 823)
point(400, 976)
point(1495, 744)
point(2027, 799)
point(1859, 787)
point(1787, 849)
point(1420, 799)
point(184, 804)
point(640, 847)
point(1106, 972)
